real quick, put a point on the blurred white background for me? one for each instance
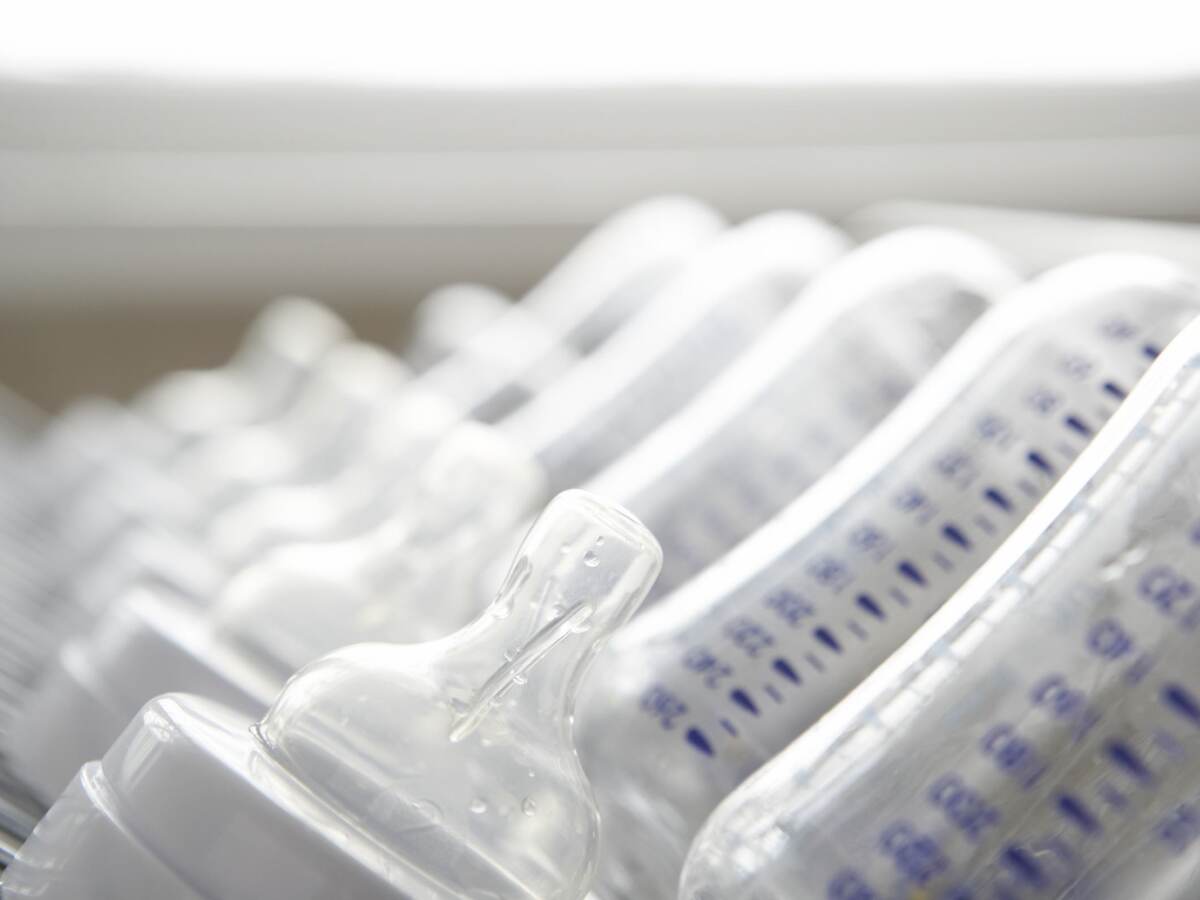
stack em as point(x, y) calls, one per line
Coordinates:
point(164, 168)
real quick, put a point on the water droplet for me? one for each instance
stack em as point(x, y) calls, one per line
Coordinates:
point(478, 806)
point(520, 679)
point(600, 541)
point(528, 806)
point(557, 611)
point(532, 773)
point(429, 810)
point(591, 559)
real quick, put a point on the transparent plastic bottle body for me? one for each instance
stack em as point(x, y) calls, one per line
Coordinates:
point(1039, 737)
point(448, 319)
point(111, 545)
point(277, 355)
point(694, 327)
point(719, 677)
point(428, 772)
point(267, 620)
point(865, 331)
point(575, 308)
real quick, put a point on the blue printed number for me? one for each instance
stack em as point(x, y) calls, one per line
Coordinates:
point(661, 704)
point(829, 571)
point(702, 661)
point(1166, 589)
point(1180, 827)
point(965, 807)
point(916, 855)
point(1013, 755)
point(749, 636)
point(1065, 702)
point(870, 538)
point(1043, 400)
point(790, 606)
point(1109, 640)
point(849, 885)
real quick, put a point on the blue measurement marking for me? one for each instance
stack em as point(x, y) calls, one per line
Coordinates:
point(956, 535)
point(942, 560)
point(1151, 350)
point(814, 661)
point(784, 668)
point(1022, 864)
point(899, 596)
point(997, 498)
point(1038, 461)
point(867, 602)
point(985, 524)
point(1114, 390)
point(1181, 701)
point(825, 636)
point(742, 699)
point(773, 692)
point(857, 630)
point(1077, 425)
point(696, 738)
point(910, 571)
point(1074, 809)
point(728, 726)
point(1127, 758)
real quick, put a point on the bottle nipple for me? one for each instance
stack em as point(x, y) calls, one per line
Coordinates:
point(456, 754)
point(412, 577)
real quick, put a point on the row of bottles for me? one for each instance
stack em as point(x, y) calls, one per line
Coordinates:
point(314, 623)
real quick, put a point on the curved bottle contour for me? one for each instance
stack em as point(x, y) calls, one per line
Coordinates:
point(195, 557)
point(307, 600)
point(82, 446)
point(429, 771)
point(448, 318)
point(503, 366)
point(596, 286)
point(694, 326)
point(604, 280)
point(281, 347)
point(299, 602)
point(855, 341)
point(402, 432)
point(319, 427)
point(723, 674)
point(1062, 673)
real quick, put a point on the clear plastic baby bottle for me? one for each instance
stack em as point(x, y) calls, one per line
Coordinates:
point(694, 327)
point(710, 683)
point(428, 771)
point(831, 367)
point(575, 308)
point(1037, 738)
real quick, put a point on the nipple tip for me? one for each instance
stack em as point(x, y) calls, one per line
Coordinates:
point(611, 517)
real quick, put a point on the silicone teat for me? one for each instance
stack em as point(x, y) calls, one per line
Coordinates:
point(456, 755)
point(279, 348)
point(412, 577)
point(339, 393)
